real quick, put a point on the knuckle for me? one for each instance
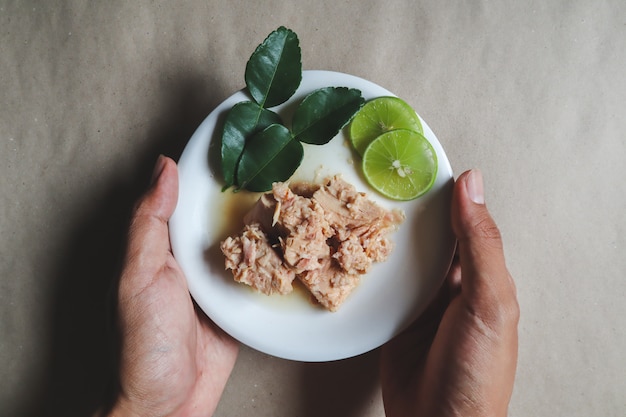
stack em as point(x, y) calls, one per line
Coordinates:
point(500, 314)
point(514, 312)
point(506, 314)
point(514, 306)
point(486, 228)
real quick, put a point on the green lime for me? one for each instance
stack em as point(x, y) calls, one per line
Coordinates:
point(379, 116)
point(400, 164)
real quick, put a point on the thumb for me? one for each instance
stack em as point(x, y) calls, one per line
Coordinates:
point(148, 240)
point(485, 281)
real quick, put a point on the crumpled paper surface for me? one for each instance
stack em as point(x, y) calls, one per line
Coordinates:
point(533, 93)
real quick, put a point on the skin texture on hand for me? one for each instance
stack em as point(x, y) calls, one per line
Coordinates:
point(174, 360)
point(459, 358)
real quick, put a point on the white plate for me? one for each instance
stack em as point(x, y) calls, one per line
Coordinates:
point(389, 297)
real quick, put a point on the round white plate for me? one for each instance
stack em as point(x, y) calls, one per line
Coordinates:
point(389, 297)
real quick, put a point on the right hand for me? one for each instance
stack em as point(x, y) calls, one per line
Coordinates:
point(459, 358)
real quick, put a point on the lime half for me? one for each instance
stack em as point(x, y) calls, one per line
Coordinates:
point(400, 164)
point(379, 116)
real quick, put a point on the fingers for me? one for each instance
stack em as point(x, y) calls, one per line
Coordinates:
point(148, 242)
point(486, 283)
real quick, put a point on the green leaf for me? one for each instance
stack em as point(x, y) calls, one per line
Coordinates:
point(274, 71)
point(269, 156)
point(243, 120)
point(324, 112)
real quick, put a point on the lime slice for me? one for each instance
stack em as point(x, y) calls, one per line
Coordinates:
point(400, 164)
point(379, 116)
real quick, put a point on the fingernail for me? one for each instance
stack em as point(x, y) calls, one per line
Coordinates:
point(474, 185)
point(158, 169)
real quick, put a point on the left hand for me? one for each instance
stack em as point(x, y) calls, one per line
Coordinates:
point(174, 360)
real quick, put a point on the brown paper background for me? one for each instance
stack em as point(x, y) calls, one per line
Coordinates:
point(531, 92)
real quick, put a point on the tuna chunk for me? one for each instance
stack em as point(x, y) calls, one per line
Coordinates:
point(345, 207)
point(351, 212)
point(357, 221)
point(262, 212)
point(373, 237)
point(330, 284)
point(254, 262)
point(327, 235)
point(351, 256)
point(302, 229)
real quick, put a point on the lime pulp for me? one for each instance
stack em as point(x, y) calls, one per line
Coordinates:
point(400, 164)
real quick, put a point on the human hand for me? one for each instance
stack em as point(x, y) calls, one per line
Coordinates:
point(459, 357)
point(174, 360)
